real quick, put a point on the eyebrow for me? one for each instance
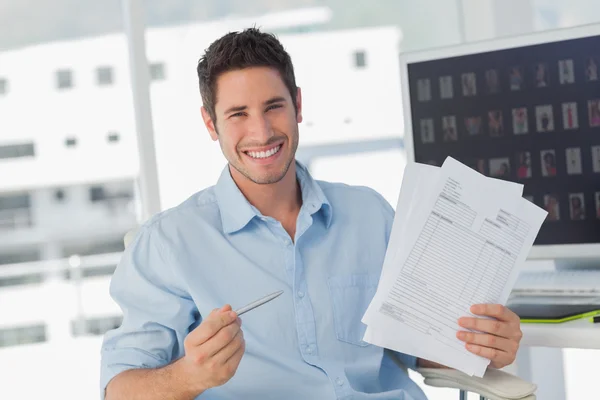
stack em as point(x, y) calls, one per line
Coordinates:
point(273, 100)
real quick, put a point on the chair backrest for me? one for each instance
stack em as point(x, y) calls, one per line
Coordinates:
point(129, 236)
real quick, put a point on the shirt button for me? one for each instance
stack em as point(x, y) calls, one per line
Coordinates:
point(309, 349)
point(300, 294)
point(339, 381)
point(287, 242)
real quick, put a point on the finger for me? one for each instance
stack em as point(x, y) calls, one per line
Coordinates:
point(498, 357)
point(211, 326)
point(494, 327)
point(491, 341)
point(497, 311)
point(236, 357)
point(232, 347)
point(219, 341)
point(226, 307)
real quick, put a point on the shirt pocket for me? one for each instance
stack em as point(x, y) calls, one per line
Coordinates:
point(350, 297)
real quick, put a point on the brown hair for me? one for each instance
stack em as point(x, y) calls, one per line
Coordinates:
point(239, 50)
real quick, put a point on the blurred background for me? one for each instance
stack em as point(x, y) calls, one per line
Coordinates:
point(69, 160)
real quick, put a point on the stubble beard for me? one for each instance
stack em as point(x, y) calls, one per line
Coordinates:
point(272, 177)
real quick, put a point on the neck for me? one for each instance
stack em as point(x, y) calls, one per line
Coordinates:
point(281, 200)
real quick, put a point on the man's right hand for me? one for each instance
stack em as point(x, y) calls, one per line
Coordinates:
point(213, 350)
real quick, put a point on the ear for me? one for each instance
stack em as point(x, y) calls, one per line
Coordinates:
point(299, 105)
point(209, 123)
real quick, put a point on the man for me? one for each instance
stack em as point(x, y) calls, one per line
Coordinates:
point(266, 225)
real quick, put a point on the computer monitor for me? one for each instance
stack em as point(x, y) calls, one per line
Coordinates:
point(525, 109)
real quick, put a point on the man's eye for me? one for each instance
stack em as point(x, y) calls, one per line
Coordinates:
point(273, 106)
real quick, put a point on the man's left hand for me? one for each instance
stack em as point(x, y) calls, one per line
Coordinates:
point(500, 337)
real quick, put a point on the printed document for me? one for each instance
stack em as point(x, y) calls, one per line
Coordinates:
point(459, 238)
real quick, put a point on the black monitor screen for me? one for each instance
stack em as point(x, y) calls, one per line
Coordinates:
point(529, 115)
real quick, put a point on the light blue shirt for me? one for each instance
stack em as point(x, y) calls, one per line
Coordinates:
point(216, 249)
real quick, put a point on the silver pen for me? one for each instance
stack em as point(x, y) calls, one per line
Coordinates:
point(257, 303)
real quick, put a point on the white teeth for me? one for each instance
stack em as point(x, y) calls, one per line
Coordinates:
point(263, 154)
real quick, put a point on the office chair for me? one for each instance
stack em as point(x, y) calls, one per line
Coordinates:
point(495, 384)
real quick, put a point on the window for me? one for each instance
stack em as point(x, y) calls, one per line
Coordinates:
point(23, 256)
point(3, 86)
point(23, 335)
point(64, 79)
point(105, 76)
point(95, 247)
point(71, 142)
point(59, 195)
point(17, 150)
point(15, 213)
point(15, 201)
point(95, 326)
point(360, 59)
point(105, 270)
point(90, 272)
point(19, 280)
point(113, 137)
point(157, 72)
point(97, 194)
point(112, 191)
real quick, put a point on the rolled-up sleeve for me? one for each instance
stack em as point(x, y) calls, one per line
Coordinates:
point(406, 360)
point(157, 313)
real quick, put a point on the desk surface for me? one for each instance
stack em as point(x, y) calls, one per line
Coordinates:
point(580, 334)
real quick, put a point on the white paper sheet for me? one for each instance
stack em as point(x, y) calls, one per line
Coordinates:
point(458, 239)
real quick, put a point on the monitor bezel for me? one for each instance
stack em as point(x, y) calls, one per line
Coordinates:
point(556, 252)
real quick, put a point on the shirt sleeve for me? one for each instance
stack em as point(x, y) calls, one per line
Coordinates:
point(407, 360)
point(389, 214)
point(157, 315)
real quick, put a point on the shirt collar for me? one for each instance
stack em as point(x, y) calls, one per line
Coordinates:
point(237, 212)
point(313, 197)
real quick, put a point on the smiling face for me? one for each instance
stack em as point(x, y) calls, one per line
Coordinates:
point(256, 123)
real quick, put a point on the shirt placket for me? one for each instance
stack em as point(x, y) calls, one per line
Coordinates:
point(305, 318)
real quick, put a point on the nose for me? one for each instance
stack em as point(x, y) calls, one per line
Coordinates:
point(259, 128)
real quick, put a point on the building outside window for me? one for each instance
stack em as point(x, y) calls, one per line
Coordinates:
point(95, 326)
point(64, 79)
point(15, 211)
point(17, 150)
point(3, 86)
point(360, 59)
point(157, 72)
point(113, 137)
point(104, 76)
point(23, 335)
